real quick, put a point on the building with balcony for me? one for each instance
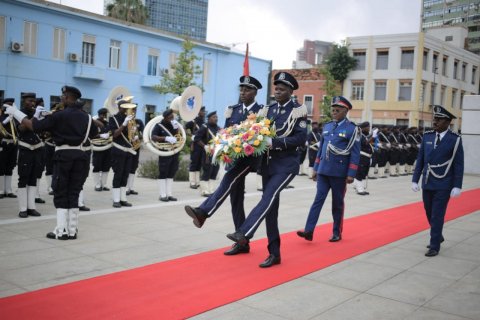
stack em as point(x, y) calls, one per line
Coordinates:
point(399, 77)
point(312, 54)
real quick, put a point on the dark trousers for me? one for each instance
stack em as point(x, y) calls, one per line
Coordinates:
point(69, 177)
point(135, 162)
point(49, 154)
point(121, 162)
point(382, 157)
point(209, 170)
point(435, 203)
point(363, 168)
point(167, 166)
point(324, 184)
point(8, 159)
point(101, 160)
point(30, 166)
point(195, 158)
point(312, 155)
point(267, 209)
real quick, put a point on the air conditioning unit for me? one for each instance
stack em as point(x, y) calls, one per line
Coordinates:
point(73, 57)
point(16, 47)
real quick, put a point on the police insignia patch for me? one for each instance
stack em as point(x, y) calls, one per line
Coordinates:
point(303, 124)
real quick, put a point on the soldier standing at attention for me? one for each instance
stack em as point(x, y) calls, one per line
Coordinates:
point(8, 153)
point(366, 152)
point(335, 167)
point(195, 150)
point(440, 163)
point(101, 159)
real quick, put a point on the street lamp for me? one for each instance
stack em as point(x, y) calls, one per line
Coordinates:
point(203, 66)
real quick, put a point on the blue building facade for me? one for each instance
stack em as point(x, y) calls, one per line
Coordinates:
point(44, 46)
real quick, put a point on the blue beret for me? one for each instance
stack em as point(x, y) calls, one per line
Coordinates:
point(287, 79)
point(251, 82)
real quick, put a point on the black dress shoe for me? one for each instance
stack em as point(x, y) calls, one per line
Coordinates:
point(335, 238)
point(39, 200)
point(238, 237)
point(431, 253)
point(83, 208)
point(197, 215)
point(117, 205)
point(270, 261)
point(372, 178)
point(2, 195)
point(259, 189)
point(193, 186)
point(441, 240)
point(289, 187)
point(133, 192)
point(10, 195)
point(72, 237)
point(164, 199)
point(105, 189)
point(363, 193)
point(51, 193)
point(23, 214)
point(33, 213)
point(125, 204)
point(52, 235)
point(236, 249)
point(307, 235)
point(170, 198)
point(98, 189)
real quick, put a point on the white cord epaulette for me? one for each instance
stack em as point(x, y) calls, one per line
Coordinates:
point(429, 131)
point(300, 112)
point(446, 164)
point(263, 112)
point(228, 112)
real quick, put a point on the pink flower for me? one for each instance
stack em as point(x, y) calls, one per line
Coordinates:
point(227, 159)
point(248, 149)
point(245, 136)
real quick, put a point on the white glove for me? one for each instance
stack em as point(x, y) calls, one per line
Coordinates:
point(172, 140)
point(38, 113)
point(104, 135)
point(207, 149)
point(7, 119)
point(268, 140)
point(455, 192)
point(175, 124)
point(127, 119)
point(415, 187)
point(136, 138)
point(12, 110)
point(375, 133)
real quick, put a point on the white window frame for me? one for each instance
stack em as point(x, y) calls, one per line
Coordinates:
point(308, 104)
point(358, 90)
point(152, 68)
point(384, 54)
point(115, 51)
point(59, 36)
point(30, 31)
point(360, 53)
point(376, 87)
point(88, 49)
point(405, 90)
point(132, 57)
point(404, 63)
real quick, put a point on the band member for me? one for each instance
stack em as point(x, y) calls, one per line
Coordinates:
point(135, 161)
point(384, 147)
point(209, 170)
point(440, 163)
point(233, 182)
point(313, 141)
point(69, 129)
point(101, 159)
point(413, 145)
point(122, 153)
point(8, 153)
point(166, 132)
point(279, 166)
point(195, 151)
point(50, 153)
point(335, 167)
point(44, 136)
point(366, 152)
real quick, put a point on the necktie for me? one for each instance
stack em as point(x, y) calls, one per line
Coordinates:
point(438, 140)
point(335, 125)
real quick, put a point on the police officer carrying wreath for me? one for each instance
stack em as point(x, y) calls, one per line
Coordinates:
point(440, 163)
point(70, 128)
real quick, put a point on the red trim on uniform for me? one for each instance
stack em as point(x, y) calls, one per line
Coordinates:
point(342, 104)
point(317, 160)
point(353, 166)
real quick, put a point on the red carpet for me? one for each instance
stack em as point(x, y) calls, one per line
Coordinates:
point(191, 285)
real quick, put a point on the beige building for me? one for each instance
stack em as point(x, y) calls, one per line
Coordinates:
point(399, 77)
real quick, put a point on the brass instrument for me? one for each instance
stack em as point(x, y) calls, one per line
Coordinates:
point(4, 132)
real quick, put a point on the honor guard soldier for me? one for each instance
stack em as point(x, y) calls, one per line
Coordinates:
point(70, 129)
point(139, 127)
point(402, 141)
point(122, 152)
point(335, 167)
point(440, 163)
point(101, 159)
point(50, 153)
point(384, 147)
point(44, 136)
point(413, 145)
point(233, 182)
point(8, 153)
point(166, 132)
point(209, 170)
point(195, 151)
point(313, 140)
point(366, 152)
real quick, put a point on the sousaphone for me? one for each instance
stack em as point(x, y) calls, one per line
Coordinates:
point(188, 105)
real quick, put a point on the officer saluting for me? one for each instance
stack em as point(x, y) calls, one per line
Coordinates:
point(440, 163)
point(70, 128)
point(335, 166)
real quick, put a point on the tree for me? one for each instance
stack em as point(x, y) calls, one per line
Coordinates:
point(339, 63)
point(128, 10)
point(331, 89)
point(184, 73)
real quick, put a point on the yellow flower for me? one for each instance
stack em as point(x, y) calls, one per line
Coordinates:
point(267, 122)
point(238, 142)
point(237, 149)
point(265, 132)
point(256, 143)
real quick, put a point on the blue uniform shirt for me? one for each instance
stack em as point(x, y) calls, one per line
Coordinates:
point(235, 114)
point(336, 165)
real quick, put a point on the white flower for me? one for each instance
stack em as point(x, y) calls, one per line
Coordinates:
point(225, 149)
point(260, 137)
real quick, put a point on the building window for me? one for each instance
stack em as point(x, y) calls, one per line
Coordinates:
point(433, 90)
point(149, 112)
point(454, 98)
point(360, 57)
point(474, 74)
point(152, 62)
point(382, 59)
point(114, 62)
point(464, 71)
point(132, 57)
point(308, 102)
point(402, 122)
point(2, 32)
point(58, 44)
point(380, 90)
point(444, 65)
point(455, 69)
point(405, 90)
point(435, 62)
point(30, 38)
point(425, 59)
point(462, 93)
point(88, 49)
point(358, 89)
point(407, 59)
point(443, 90)
point(87, 107)
point(172, 60)
point(206, 72)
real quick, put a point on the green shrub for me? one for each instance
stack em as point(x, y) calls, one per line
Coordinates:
point(149, 169)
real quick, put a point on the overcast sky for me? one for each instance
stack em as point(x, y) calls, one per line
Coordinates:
point(275, 29)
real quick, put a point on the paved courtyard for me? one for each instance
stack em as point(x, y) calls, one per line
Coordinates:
point(395, 281)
